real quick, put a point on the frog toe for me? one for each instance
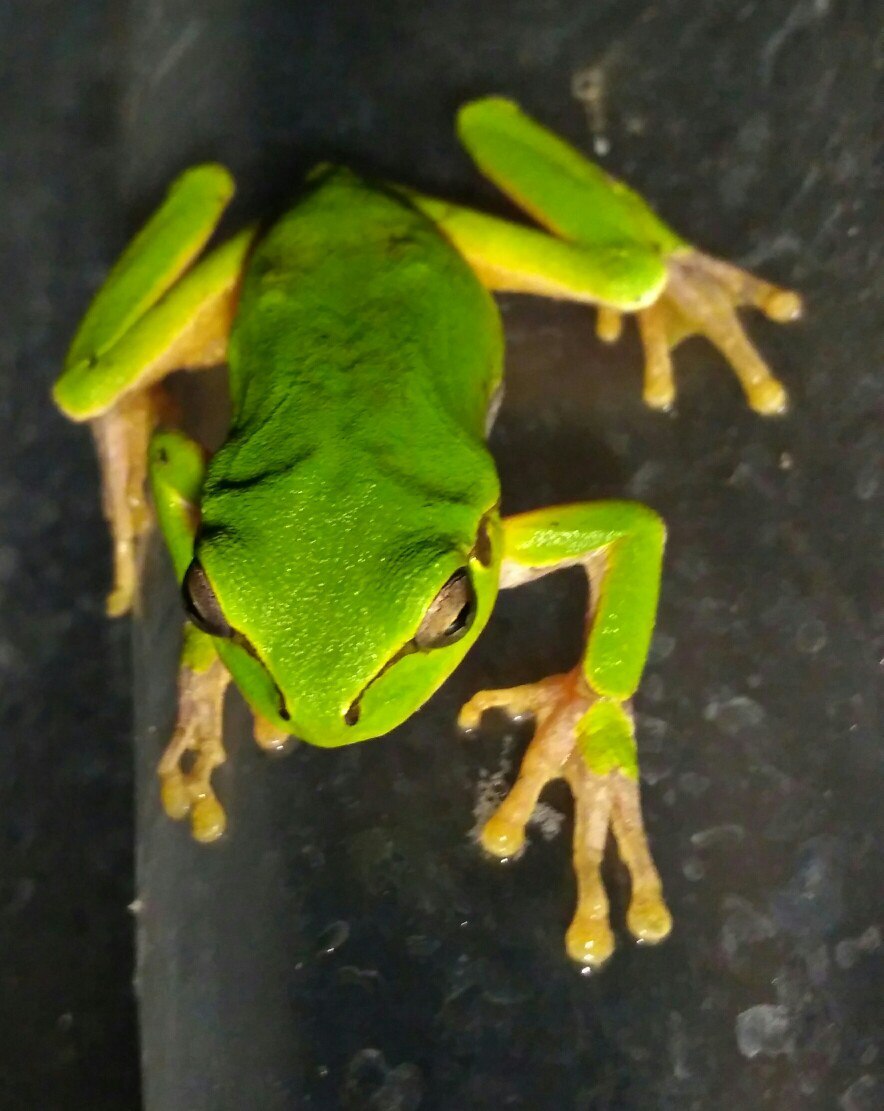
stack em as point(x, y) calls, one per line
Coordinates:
point(589, 940)
point(649, 919)
point(577, 745)
point(195, 751)
point(701, 297)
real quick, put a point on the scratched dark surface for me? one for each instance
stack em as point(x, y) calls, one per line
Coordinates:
point(752, 128)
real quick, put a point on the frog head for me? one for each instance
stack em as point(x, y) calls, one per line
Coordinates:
point(338, 621)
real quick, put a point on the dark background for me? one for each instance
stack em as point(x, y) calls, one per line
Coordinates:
point(752, 127)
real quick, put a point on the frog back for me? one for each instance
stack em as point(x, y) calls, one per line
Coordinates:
point(360, 326)
point(355, 474)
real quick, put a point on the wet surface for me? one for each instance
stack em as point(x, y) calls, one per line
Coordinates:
point(347, 945)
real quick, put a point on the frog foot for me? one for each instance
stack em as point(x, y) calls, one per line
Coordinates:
point(570, 719)
point(701, 296)
point(196, 749)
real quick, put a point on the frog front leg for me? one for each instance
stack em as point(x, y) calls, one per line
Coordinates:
point(146, 321)
point(584, 730)
point(177, 467)
point(676, 291)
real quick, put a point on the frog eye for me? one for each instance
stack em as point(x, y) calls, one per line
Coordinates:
point(450, 614)
point(201, 604)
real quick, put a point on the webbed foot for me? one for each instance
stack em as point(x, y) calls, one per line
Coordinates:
point(701, 296)
point(588, 742)
point(196, 749)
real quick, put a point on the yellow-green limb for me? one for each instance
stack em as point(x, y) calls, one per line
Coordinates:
point(197, 649)
point(621, 546)
point(153, 261)
point(509, 258)
point(584, 730)
point(579, 201)
point(186, 328)
point(176, 469)
point(555, 183)
point(606, 739)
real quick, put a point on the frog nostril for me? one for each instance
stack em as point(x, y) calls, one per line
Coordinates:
point(352, 715)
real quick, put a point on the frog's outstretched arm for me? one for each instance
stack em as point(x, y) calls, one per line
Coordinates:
point(578, 201)
point(146, 321)
point(584, 727)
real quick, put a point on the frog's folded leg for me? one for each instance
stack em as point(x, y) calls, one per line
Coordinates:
point(584, 729)
point(676, 290)
point(154, 314)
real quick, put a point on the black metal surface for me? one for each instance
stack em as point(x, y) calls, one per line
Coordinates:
point(750, 127)
point(67, 1014)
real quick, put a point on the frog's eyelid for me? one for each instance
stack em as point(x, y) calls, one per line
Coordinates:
point(199, 597)
point(201, 603)
point(450, 614)
point(351, 717)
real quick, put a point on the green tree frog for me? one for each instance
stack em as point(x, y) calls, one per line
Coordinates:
point(343, 549)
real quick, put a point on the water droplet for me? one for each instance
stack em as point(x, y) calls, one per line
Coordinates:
point(864, 1094)
point(371, 1083)
point(693, 784)
point(662, 646)
point(765, 1029)
point(735, 714)
point(717, 835)
point(846, 953)
point(811, 636)
point(743, 925)
point(333, 937)
point(868, 480)
point(693, 868)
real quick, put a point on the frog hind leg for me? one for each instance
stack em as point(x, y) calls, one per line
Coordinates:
point(154, 314)
point(122, 427)
point(584, 729)
point(582, 204)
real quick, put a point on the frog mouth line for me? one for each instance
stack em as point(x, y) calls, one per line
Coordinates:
point(351, 717)
point(247, 646)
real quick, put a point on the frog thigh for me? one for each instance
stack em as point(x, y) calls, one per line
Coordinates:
point(187, 328)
